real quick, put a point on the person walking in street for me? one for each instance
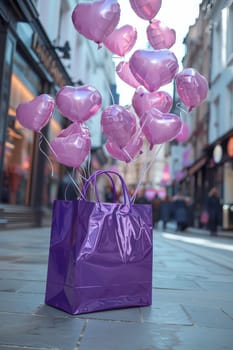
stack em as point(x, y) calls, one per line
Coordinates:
point(155, 210)
point(180, 211)
point(213, 207)
point(165, 211)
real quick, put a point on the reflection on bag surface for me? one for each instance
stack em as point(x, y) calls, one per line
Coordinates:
point(100, 255)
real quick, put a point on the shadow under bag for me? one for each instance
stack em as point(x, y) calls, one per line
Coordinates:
point(100, 254)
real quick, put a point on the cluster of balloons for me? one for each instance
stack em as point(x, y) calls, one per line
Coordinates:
point(147, 71)
point(72, 145)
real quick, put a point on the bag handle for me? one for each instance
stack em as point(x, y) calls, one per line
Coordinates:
point(93, 177)
point(107, 172)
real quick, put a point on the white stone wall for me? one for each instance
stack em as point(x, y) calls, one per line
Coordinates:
point(221, 97)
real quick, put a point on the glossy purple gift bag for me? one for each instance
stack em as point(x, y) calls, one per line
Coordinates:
point(100, 255)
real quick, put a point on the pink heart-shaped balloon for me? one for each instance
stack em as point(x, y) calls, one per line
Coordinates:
point(160, 127)
point(35, 114)
point(78, 103)
point(192, 87)
point(96, 20)
point(143, 101)
point(72, 145)
point(184, 133)
point(146, 9)
point(130, 151)
point(124, 72)
point(121, 40)
point(160, 36)
point(153, 69)
point(118, 124)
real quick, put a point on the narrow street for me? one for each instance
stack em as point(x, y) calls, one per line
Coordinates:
point(192, 299)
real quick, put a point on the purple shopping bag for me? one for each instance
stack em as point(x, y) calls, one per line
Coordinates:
point(100, 254)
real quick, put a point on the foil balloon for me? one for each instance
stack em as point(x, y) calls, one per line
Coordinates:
point(78, 103)
point(160, 36)
point(160, 127)
point(143, 100)
point(153, 69)
point(96, 20)
point(124, 72)
point(130, 151)
point(121, 40)
point(35, 114)
point(184, 133)
point(146, 9)
point(192, 87)
point(72, 145)
point(118, 124)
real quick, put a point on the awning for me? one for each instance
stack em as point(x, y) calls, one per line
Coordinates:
point(197, 165)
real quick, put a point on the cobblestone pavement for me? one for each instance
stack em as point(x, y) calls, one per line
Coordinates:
point(192, 299)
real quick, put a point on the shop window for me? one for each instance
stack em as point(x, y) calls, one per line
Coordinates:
point(18, 148)
point(25, 85)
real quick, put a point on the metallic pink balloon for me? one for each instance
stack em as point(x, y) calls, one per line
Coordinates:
point(78, 103)
point(160, 36)
point(96, 20)
point(118, 124)
point(72, 145)
point(146, 9)
point(121, 40)
point(192, 87)
point(160, 127)
point(35, 114)
point(124, 72)
point(143, 101)
point(130, 151)
point(153, 69)
point(184, 133)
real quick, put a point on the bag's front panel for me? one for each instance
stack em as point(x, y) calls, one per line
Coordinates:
point(100, 256)
point(114, 264)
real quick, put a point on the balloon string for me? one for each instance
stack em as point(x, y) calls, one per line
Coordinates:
point(146, 168)
point(89, 164)
point(181, 109)
point(91, 186)
point(110, 92)
point(74, 183)
point(41, 150)
point(127, 154)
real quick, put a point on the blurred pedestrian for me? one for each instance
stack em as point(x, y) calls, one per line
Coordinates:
point(180, 211)
point(108, 194)
point(141, 197)
point(155, 210)
point(213, 207)
point(165, 210)
point(66, 189)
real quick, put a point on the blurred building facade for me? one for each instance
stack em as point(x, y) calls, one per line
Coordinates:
point(40, 53)
point(209, 163)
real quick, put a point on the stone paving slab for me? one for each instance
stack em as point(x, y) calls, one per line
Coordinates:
point(47, 332)
point(20, 302)
point(208, 316)
point(192, 303)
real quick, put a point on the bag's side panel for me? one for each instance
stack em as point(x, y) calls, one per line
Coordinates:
point(61, 262)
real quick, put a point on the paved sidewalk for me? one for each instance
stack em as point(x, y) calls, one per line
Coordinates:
point(192, 301)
